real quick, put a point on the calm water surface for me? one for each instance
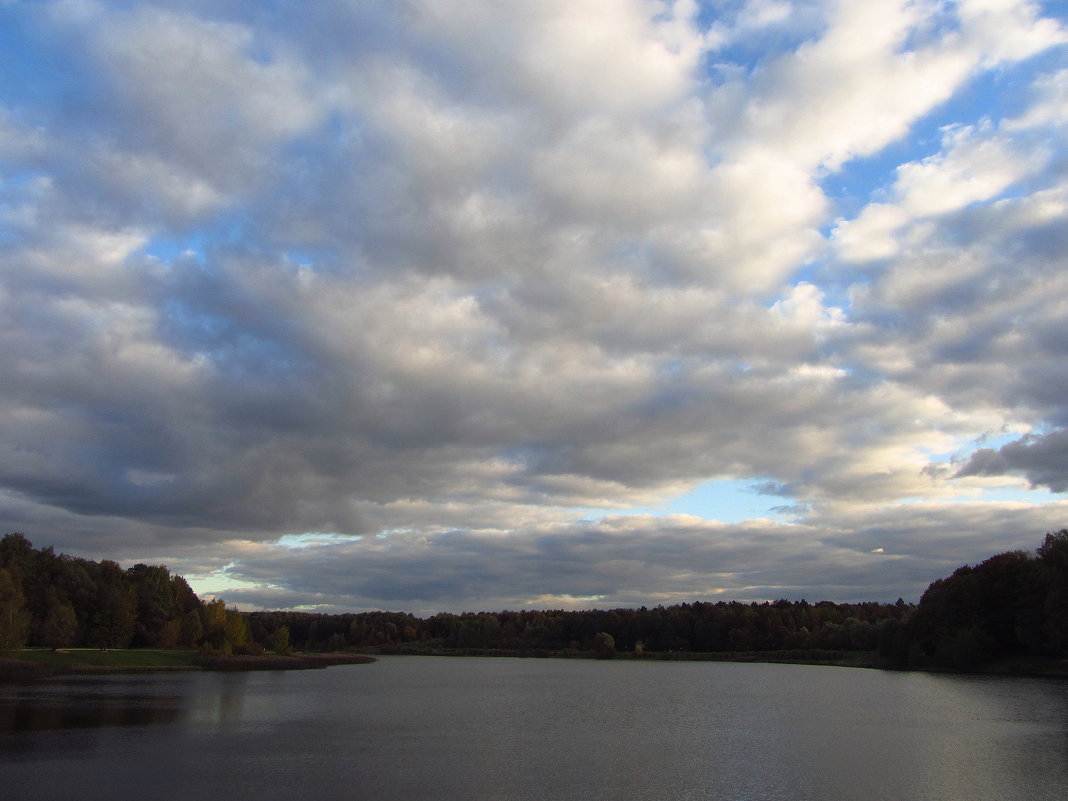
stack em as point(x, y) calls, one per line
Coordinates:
point(515, 729)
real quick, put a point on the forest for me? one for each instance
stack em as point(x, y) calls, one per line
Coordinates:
point(1011, 605)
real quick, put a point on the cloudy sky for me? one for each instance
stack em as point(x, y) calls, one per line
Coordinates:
point(468, 304)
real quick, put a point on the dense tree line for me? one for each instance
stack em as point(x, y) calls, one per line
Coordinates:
point(54, 600)
point(696, 627)
point(1013, 604)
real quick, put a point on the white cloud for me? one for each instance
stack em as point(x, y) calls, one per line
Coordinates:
point(853, 90)
point(974, 165)
point(872, 235)
point(1011, 29)
point(1050, 106)
point(478, 269)
point(762, 13)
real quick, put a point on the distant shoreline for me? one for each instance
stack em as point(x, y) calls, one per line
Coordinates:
point(870, 660)
point(34, 664)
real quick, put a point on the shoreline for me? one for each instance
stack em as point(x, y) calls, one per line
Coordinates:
point(276, 662)
point(1034, 667)
point(36, 664)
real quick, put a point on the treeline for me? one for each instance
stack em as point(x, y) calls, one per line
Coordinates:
point(1012, 605)
point(55, 601)
point(689, 627)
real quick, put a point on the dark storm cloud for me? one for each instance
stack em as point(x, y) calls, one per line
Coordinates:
point(1042, 459)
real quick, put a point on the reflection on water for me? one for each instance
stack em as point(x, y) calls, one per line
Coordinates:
point(31, 714)
point(222, 703)
point(118, 701)
point(84, 703)
point(511, 730)
point(79, 705)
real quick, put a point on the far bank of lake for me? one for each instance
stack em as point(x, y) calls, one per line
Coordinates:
point(1011, 666)
point(44, 663)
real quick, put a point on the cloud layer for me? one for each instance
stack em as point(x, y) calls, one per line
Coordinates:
point(454, 286)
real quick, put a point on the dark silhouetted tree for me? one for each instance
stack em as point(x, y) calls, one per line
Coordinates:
point(1053, 568)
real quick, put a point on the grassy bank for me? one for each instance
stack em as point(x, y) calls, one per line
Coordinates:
point(275, 662)
point(40, 663)
point(93, 659)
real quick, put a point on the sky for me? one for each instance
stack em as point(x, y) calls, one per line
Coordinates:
point(461, 305)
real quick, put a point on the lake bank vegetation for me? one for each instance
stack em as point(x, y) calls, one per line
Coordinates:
point(1008, 613)
point(43, 662)
point(40, 662)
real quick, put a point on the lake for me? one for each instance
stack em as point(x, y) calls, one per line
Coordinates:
point(514, 729)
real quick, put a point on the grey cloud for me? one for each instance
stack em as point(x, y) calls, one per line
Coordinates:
point(630, 562)
point(458, 274)
point(1041, 458)
point(607, 565)
point(975, 312)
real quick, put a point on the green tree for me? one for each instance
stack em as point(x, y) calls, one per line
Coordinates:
point(236, 628)
point(192, 629)
point(60, 625)
point(215, 623)
point(112, 624)
point(155, 602)
point(14, 619)
point(280, 640)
